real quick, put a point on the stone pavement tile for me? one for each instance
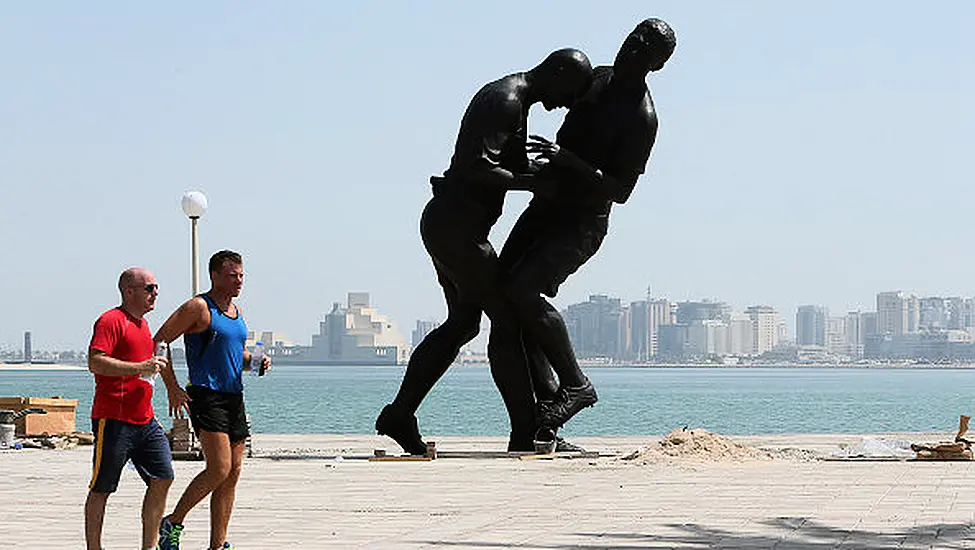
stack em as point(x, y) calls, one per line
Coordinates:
point(457, 503)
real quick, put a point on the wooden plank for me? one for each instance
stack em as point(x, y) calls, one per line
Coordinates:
point(550, 456)
point(410, 458)
point(480, 454)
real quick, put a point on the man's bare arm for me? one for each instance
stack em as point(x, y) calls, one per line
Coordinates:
point(100, 363)
point(187, 318)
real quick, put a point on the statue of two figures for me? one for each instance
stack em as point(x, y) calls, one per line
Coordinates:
point(595, 160)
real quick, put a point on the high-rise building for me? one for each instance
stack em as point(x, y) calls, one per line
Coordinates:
point(644, 319)
point(836, 342)
point(967, 315)
point(421, 330)
point(935, 313)
point(913, 314)
point(956, 313)
point(855, 335)
point(673, 342)
point(688, 312)
point(659, 313)
point(740, 335)
point(706, 338)
point(869, 325)
point(898, 313)
point(637, 322)
point(764, 327)
point(594, 327)
point(811, 326)
point(28, 352)
point(782, 332)
point(625, 330)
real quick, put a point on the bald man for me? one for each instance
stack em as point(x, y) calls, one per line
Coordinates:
point(121, 358)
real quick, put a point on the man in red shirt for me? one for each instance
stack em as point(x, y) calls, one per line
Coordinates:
point(121, 357)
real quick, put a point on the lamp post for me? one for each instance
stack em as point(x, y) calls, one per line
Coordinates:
point(194, 205)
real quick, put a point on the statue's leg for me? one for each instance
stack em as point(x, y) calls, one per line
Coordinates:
point(428, 363)
point(543, 377)
point(522, 237)
point(558, 252)
point(509, 369)
point(543, 325)
point(480, 281)
point(439, 349)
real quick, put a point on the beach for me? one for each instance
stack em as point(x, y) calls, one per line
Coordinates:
point(296, 492)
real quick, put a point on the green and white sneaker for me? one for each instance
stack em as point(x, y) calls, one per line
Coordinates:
point(169, 535)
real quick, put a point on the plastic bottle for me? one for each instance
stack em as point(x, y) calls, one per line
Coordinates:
point(161, 349)
point(257, 357)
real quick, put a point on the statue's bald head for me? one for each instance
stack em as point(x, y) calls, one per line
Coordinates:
point(564, 76)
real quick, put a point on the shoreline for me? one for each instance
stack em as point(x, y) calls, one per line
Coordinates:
point(39, 366)
point(368, 442)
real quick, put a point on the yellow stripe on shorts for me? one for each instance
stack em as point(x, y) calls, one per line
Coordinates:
point(99, 443)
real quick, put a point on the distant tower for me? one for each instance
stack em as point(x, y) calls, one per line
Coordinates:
point(27, 350)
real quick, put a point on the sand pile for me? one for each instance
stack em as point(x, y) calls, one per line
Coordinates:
point(697, 445)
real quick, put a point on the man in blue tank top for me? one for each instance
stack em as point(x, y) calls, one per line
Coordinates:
point(214, 335)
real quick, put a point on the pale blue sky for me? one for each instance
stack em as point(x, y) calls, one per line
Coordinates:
point(808, 152)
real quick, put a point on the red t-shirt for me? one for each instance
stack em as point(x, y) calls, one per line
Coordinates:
point(127, 398)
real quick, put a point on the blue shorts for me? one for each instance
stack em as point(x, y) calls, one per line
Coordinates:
point(116, 442)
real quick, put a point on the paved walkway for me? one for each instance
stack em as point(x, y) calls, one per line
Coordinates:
point(305, 498)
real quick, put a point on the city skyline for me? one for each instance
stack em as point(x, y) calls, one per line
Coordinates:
point(785, 170)
point(410, 326)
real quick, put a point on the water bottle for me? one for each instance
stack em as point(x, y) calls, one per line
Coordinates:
point(160, 351)
point(257, 358)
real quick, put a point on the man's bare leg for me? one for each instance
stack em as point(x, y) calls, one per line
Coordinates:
point(153, 507)
point(222, 498)
point(94, 518)
point(218, 456)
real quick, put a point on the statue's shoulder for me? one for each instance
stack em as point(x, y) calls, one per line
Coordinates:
point(501, 97)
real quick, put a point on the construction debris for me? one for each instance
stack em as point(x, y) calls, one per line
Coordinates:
point(963, 430)
point(697, 445)
point(959, 449)
point(875, 448)
point(58, 442)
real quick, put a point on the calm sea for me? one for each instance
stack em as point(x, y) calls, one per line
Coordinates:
point(633, 401)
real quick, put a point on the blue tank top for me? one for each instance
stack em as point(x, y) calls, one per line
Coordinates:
point(215, 357)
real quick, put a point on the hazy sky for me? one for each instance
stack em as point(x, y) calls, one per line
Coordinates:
point(808, 152)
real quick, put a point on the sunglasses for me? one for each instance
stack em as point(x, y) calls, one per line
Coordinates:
point(151, 288)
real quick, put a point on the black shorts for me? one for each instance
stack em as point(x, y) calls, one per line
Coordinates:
point(547, 245)
point(455, 234)
point(215, 411)
point(117, 442)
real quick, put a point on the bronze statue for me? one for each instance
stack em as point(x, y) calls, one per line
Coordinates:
point(490, 158)
point(600, 152)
